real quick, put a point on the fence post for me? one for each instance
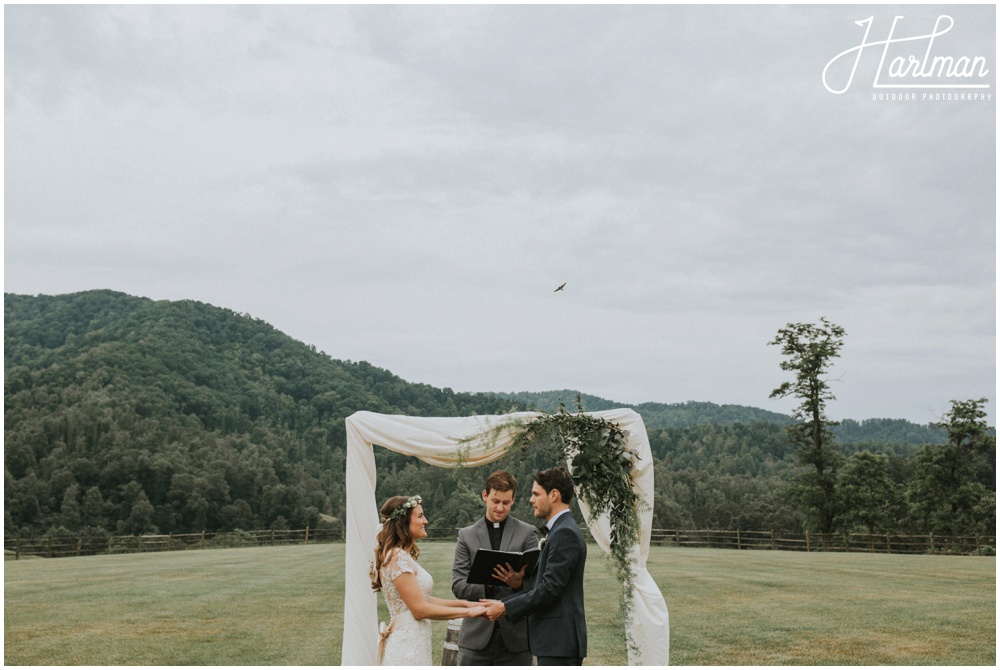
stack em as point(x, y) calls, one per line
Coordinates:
point(931, 538)
point(170, 542)
point(138, 543)
point(307, 534)
point(272, 536)
point(847, 542)
point(808, 545)
point(739, 544)
point(888, 544)
point(772, 540)
point(110, 539)
point(79, 544)
point(202, 538)
point(17, 551)
point(50, 546)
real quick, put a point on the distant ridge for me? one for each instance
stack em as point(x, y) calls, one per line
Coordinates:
point(658, 415)
point(654, 414)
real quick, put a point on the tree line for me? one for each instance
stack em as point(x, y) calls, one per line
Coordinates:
point(127, 415)
point(949, 489)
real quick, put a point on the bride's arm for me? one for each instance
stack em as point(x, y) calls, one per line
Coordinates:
point(409, 591)
point(451, 603)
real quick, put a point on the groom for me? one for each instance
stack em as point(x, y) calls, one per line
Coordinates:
point(557, 624)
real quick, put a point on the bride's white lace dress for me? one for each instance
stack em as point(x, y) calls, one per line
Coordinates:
point(410, 640)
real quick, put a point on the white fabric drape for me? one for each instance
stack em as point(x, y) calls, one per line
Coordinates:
point(437, 440)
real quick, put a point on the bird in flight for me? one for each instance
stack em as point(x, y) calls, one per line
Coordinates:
point(561, 287)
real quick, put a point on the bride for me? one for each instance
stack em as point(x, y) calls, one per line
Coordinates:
point(407, 586)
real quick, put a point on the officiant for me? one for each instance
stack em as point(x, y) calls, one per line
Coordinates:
point(481, 641)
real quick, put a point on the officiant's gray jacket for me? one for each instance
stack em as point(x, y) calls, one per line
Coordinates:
point(476, 633)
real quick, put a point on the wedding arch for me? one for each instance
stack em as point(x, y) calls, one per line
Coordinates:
point(470, 442)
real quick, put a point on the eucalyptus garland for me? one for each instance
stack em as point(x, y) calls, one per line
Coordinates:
point(601, 465)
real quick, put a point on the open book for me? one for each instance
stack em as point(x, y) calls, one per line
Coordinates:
point(486, 560)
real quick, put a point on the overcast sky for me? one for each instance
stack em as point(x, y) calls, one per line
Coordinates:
point(408, 185)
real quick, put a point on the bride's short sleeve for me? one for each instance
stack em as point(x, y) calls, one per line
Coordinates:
point(398, 563)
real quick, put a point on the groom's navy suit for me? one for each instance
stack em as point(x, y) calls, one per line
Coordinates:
point(557, 624)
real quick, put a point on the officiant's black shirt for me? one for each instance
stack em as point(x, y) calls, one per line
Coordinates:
point(496, 534)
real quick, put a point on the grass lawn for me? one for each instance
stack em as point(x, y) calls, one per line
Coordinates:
point(790, 608)
point(283, 606)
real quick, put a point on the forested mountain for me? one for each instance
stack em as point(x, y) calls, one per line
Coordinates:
point(134, 415)
point(128, 415)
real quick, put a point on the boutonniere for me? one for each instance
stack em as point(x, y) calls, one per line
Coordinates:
point(541, 542)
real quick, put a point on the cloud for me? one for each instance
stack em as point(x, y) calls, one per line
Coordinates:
point(408, 184)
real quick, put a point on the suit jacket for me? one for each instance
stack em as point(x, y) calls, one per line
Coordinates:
point(557, 624)
point(476, 633)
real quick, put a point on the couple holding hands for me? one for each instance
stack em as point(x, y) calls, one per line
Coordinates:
point(541, 616)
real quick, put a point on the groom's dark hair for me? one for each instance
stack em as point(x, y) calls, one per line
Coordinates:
point(558, 479)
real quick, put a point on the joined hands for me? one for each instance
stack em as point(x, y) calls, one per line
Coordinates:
point(474, 610)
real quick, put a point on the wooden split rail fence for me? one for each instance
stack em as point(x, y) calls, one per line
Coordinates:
point(68, 545)
point(860, 542)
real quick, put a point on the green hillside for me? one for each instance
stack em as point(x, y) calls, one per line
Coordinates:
point(128, 415)
point(134, 415)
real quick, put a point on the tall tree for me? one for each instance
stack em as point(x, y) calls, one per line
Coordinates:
point(954, 488)
point(809, 350)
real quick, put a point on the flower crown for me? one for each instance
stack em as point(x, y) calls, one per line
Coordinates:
point(403, 509)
